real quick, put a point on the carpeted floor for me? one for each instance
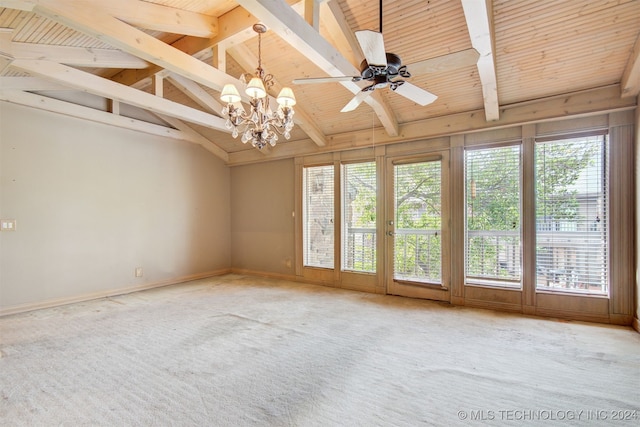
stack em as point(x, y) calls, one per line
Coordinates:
point(245, 351)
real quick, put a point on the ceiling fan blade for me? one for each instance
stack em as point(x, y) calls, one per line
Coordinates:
point(355, 101)
point(313, 80)
point(447, 62)
point(372, 44)
point(414, 93)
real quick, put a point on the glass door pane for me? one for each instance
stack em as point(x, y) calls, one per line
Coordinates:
point(418, 222)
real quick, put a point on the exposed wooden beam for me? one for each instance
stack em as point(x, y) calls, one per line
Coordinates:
point(338, 29)
point(114, 106)
point(285, 22)
point(29, 84)
point(247, 60)
point(136, 42)
point(231, 23)
point(4, 63)
point(116, 33)
point(157, 17)
point(27, 6)
point(480, 23)
point(87, 113)
point(312, 13)
point(195, 92)
point(99, 86)
point(630, 81)
point(196, 137)
point(142, 14)
point(76, 56)
point(158, 85)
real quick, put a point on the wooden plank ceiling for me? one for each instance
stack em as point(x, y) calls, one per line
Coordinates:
point(158, 66)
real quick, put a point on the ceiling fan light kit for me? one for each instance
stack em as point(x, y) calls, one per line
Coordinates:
point(261, 125)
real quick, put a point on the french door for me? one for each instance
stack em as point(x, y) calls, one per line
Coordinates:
point(417, 227)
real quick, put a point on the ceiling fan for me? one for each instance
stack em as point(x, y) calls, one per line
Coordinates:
point(383, 69)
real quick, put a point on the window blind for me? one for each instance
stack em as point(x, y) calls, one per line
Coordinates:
point(572, 215)
point(317, 216)
point(493, 199)
point(359, 217)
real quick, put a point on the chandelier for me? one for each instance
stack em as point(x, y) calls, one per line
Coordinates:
point(260, 126)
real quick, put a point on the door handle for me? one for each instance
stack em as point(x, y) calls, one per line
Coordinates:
point(390, 233)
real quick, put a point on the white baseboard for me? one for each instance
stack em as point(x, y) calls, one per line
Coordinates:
point(5, 311)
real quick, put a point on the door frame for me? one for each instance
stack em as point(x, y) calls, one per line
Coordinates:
point(439, 292)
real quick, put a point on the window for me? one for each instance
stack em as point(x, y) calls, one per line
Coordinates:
point(359, 217)
point(317, 216)
point(572, 215)
point(492, 228)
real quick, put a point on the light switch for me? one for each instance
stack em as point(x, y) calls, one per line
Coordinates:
point(7, 225)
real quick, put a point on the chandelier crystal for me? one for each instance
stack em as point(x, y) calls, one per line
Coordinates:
point(261, 125)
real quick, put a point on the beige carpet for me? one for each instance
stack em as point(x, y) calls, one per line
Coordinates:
point(246, 351)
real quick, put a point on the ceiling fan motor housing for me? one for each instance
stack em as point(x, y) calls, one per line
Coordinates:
point(369, 71)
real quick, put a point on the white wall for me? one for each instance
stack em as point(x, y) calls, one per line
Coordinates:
point(93, 202)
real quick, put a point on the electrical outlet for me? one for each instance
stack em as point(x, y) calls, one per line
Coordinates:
point(138, 271)
point(8, 224)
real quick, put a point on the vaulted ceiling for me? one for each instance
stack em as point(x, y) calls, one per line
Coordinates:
point(158, 66)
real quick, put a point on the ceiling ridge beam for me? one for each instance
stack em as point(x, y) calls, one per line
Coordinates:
point(291, 27)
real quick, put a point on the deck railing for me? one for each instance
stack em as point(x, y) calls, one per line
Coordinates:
point(492, 256)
